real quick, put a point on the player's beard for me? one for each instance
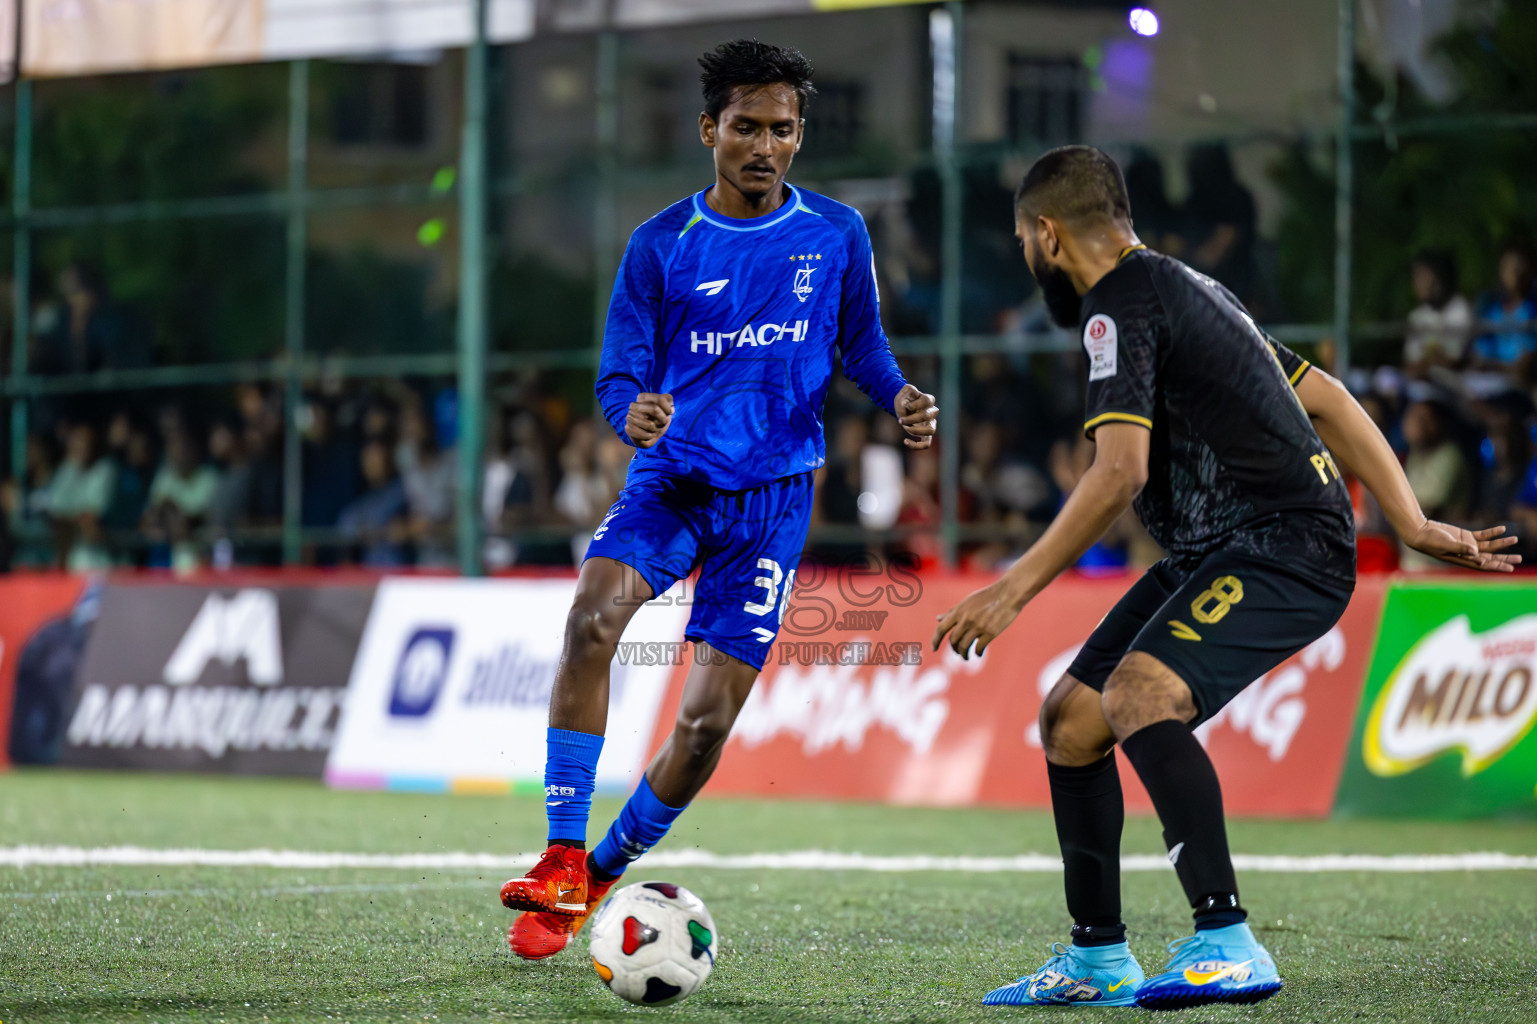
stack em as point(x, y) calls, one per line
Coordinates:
point(1062, 300)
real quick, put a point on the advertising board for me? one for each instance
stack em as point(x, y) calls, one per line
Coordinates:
point(29, 603)
point(853, 705)
point(451, 687)
point(248, 679)
point(1444, 727)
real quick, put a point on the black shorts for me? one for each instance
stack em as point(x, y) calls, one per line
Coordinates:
point(1219, 625)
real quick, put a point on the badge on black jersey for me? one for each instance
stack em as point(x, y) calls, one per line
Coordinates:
point(1099, 343)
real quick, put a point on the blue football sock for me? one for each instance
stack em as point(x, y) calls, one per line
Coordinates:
point(643, 822)
point(570, 772)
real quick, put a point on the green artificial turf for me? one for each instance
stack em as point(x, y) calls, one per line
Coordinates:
point(246, 944)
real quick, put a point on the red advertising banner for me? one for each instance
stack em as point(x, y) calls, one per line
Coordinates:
point(1278, 747)
point(26, 603)
point(853, 705)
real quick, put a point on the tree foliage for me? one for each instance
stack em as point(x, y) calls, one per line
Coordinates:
point(207, 288)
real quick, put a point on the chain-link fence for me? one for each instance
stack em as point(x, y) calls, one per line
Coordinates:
point(244, 330)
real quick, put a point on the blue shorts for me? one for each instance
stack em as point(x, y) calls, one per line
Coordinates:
point(746, 544)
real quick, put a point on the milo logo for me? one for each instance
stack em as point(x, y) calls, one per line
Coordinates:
point(1456, 690)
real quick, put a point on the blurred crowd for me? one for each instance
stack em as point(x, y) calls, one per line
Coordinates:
point(132, 479)
point(1459, 405)
point(182, 489)
point(1214, 229)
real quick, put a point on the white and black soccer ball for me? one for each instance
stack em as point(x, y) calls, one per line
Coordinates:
point(653, 943)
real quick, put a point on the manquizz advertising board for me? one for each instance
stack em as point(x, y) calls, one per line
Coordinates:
point(249, 679)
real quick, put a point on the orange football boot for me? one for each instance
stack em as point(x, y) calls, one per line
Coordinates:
point(557, 884)
point(536, 935)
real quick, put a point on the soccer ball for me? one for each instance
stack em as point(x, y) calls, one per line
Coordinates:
point(653, 943)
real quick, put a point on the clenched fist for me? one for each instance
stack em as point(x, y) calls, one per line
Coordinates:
point(648, 418)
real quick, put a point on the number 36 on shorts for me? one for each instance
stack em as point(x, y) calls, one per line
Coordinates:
point(770, 581)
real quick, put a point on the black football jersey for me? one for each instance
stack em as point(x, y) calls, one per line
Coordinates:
point(1234, 459)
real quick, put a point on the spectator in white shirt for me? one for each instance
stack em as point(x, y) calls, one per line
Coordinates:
point(78, 499)
point(1441, 325)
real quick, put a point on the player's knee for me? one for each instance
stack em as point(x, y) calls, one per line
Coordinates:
point(1068, 738)
point(700, 735)
point(1051, 723)
point(1116, 704)
point(590, 628)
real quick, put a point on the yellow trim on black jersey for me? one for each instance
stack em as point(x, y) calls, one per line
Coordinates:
point(1117, 417)
point(1129, 250)
point(1300, 371)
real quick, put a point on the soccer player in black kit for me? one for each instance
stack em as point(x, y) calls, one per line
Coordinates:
point(1227, 442)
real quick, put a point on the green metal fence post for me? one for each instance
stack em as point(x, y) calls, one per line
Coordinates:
point(946, 46)
point(21, 275)
point(605, 210)
point(294, 303)
point(472, 299)
point(1344, 184)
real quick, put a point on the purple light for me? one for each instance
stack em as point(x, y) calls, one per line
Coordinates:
point(1143, 21)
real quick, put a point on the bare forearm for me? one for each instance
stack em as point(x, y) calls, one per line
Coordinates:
point(1095, 504)
point(1119, 471)
point(1354, 439)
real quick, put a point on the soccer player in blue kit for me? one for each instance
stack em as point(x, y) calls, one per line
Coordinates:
point(726, 315)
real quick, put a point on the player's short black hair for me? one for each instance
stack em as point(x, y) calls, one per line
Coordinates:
point(750, 63)
point(1075, 184)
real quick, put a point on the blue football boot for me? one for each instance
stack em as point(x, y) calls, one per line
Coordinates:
point(1219, 965)
point(1076, 976)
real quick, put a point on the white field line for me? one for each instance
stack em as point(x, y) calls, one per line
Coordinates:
point(801, 860)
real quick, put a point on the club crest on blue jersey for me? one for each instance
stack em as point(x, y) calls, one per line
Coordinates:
point(802, 286)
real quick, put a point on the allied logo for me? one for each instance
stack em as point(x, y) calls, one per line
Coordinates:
point(1456, 690)
point(802, 285)
point(421, 672)
point(713, 287)
point(1099, 341)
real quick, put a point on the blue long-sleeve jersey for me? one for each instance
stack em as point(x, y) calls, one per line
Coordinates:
point(739, 320)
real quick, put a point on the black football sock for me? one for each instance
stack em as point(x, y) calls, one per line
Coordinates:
point(1183, 785)
point(598, 873)
point(575, 844)
point(1086, 803)
point(1219, 912)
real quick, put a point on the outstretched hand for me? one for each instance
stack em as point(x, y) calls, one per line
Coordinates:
point(918, 415)
point(1470, 550)
point(977, 620)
